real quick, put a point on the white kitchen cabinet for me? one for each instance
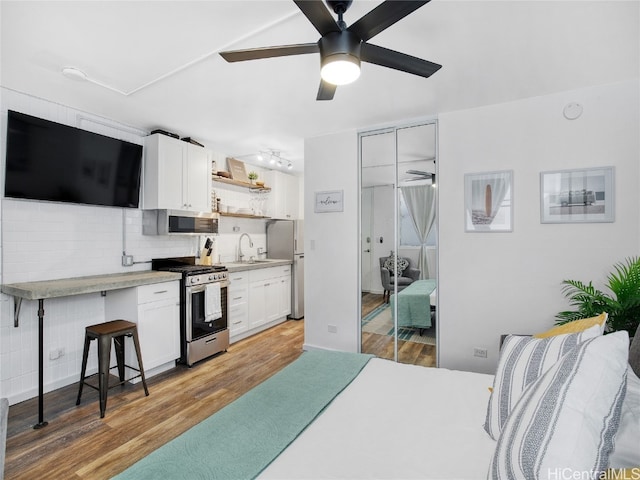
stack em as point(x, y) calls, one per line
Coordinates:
point(284, 198)
point(285, 294)
point(238, 303)
point(269, 295)
point(155, 309)
point(177, 175)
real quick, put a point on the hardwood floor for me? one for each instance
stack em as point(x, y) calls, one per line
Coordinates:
point(77, 443)
point(383, 346)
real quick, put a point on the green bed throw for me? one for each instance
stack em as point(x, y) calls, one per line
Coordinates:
point(244, 437)
point(414, 304)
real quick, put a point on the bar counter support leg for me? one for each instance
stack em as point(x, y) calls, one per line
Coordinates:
point(41, 423)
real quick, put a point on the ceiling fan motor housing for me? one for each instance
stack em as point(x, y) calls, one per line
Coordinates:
point(343, 45)
point(339, 6)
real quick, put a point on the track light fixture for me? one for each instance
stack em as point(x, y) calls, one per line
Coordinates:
point(275, 158)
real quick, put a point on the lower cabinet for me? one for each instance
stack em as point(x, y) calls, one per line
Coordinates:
point(238, 303)
point(268, 294)
point(155, 309)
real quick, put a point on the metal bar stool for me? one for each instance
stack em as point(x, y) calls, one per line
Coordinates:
point(104, 332)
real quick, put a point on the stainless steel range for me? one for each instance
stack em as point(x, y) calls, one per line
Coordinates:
point(201, 334)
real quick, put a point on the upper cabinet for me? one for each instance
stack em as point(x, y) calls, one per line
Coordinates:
point(176, 175)
point(283, 202)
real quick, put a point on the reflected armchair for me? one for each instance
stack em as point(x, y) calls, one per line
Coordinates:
point(407, 277)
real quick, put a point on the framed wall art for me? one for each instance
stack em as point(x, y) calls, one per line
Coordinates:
point(331, 201)
point(577, 196)
point(488, 201)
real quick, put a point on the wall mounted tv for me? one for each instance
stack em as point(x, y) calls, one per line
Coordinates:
point(50, 161)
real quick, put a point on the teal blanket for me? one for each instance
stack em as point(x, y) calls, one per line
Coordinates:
point(414, 304)
point(244, 437)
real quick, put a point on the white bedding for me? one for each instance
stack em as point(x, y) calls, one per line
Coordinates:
point(396, 421)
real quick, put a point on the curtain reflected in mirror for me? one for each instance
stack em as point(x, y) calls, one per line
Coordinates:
point(398, 243)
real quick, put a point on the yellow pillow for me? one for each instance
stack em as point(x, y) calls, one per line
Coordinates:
point(575, 326)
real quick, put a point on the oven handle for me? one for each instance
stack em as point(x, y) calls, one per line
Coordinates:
point(201, 287)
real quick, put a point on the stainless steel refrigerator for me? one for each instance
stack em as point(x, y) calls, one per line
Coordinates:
point(285, 239)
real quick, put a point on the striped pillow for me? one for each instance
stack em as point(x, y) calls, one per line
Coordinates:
point(565, 423)
point(523, 360)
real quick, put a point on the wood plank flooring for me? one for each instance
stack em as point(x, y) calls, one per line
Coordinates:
point(78, 444)
point(383, 346)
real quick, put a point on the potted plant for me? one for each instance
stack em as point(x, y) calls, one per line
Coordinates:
point(253, 176)
point(622, 305)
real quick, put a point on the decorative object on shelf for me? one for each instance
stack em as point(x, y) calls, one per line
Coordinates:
point(223, 174)
point(488, 201)
point(623, 307)
point(238, 172)
point(253, 176)
point(577, 196)
point(330, 201)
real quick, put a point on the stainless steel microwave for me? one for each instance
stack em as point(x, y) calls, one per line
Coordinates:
point(178, 222)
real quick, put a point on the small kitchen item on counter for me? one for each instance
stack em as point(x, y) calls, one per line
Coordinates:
point(222, 208)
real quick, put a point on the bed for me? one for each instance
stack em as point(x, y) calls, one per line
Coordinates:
point(414, 304)
point(348, 416)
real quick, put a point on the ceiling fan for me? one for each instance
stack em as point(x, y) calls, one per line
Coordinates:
point(342, 48)
point(421, 175)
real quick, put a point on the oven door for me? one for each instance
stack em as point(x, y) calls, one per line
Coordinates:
point(195, 324)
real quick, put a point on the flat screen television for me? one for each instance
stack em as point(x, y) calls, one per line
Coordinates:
point(54, 162)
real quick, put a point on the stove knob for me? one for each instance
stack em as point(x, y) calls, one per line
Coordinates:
point(212, 277)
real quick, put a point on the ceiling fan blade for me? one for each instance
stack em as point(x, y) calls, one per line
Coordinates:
point(326, 91)
point(318, 15)
point(383, 16)
point(268, 52)
point(399, 61)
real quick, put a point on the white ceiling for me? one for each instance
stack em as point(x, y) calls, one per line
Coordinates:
point(160, 62)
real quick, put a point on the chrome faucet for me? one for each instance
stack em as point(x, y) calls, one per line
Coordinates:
point(240, 255)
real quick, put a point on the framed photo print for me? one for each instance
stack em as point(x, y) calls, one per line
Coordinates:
point(577, 196)
point(488, 201)
point(331, 201)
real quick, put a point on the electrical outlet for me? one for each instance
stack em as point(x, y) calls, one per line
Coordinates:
point(480, 352)
point(127, 260)
point(332, 329)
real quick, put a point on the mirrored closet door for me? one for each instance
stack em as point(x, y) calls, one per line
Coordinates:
point(399, 243)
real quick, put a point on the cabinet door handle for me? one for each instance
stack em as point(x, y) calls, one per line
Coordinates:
point(211, 340)
point(237, 298)
point(236, 323)
point(267, 284)
point(160, 291)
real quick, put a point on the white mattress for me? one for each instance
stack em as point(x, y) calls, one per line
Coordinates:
point(396, 421)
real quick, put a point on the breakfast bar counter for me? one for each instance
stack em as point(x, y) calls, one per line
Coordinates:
point(67, 287)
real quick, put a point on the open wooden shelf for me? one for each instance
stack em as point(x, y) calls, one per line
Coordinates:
point(239, 215)
point(238, 183)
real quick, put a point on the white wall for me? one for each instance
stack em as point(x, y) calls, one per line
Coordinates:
point(497, 283)
point(332, 244)
point(494, 283)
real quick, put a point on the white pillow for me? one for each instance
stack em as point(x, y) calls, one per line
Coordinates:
point(626, 451)
point(565, 423)
point(523, 359)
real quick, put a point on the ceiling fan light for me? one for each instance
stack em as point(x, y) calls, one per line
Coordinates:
point(340, 69)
